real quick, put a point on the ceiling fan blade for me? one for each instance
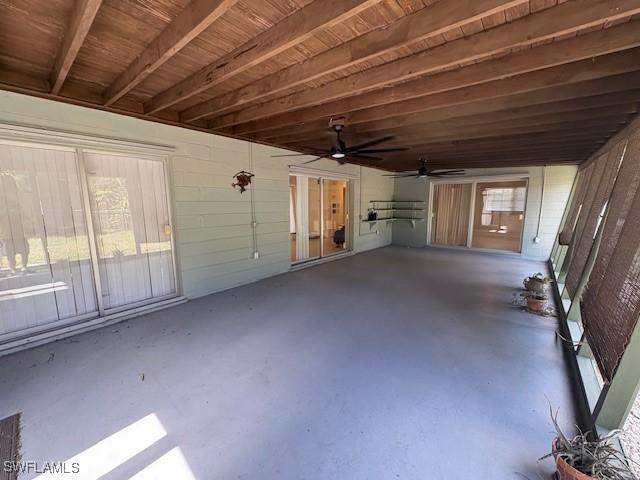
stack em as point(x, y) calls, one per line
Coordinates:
point(371, 143)
point(415, 175)
point(382, 150)
point(365, 157)
point(312, 160)
point(296, 154)
point(445, 171)
point(400, 174)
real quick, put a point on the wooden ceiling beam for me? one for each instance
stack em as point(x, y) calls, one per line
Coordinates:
point(408, 135)
point(557, 149)
point(590, 135)
point(512, 151)
point(82, 16)
point(577, 152)
point(564, 19)
point(491, 130)
point(420, 25)
point(525, 71)
point(401, 165)
point(484, 144)
point(190, 23)
point(292, 30)
point(430, 149)
point(627, 100)
point(575, 92)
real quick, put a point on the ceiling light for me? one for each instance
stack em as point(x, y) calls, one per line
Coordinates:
point(338, 155)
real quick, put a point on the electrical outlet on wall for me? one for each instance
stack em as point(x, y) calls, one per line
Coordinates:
point(256, 255)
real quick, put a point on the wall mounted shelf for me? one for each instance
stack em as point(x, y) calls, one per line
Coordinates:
point(397, 210)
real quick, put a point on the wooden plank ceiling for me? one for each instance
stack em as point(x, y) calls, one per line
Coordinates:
point(462, 82)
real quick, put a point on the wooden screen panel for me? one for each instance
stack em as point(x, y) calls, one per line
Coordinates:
point(611, 299)
point(590, 218)
point(574, 207)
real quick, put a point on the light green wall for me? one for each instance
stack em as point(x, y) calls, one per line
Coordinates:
point(214, 242)
point(559, 180)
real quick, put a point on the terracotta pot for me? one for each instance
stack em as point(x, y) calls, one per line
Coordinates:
point(564, 471)
point(536, 305)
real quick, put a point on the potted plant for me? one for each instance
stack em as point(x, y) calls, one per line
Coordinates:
point(537, 283)
point(583, 458)
point(536, 302)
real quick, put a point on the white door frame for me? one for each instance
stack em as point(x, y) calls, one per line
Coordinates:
point(307, 173)
point(32, 137)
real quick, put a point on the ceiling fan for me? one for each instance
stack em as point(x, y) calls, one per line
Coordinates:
point(424, 171)
point(339, 151)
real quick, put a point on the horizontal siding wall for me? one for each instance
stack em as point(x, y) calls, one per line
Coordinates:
point(558, 183)
point(212, 221)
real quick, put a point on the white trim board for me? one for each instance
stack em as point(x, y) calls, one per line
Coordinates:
point(46, 136)
point(318, 172)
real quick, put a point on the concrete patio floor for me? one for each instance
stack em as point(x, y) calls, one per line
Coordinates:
point(395, 363)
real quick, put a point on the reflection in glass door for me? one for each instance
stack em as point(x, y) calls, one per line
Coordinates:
point(81, 233)
point(334, 216)
point(479, 214)
point(45, 267)
point(318, 217)
point(498, 217)
point(128, 201)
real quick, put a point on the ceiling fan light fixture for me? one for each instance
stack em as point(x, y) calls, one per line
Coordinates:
point(338, 155)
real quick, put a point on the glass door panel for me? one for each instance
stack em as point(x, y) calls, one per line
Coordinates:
point(317, 217)
point(499, 215)
point(334, 216)
point(451, 207)
point(314, 217)
point(45, 266)
point(128, 201)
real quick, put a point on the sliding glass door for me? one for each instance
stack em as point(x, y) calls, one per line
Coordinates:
point(451, 207)
point(45, 268)
point(81, 233)
point(334, 216)
point(479, 214)
point(128, 200)
point(318, 217)
point(498, 218)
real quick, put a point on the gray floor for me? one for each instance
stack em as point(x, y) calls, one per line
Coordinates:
point(396, 363)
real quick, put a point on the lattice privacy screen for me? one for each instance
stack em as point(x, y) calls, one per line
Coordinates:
point(605, 173)
point(611, 299)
